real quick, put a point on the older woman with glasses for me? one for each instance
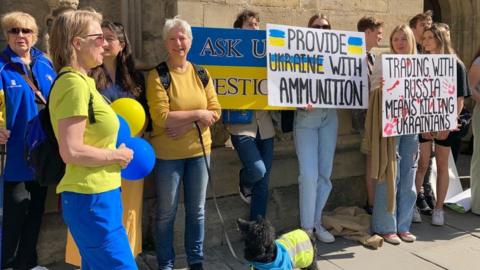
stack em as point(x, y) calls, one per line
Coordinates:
point(26, 75)
point(117, 78)
point(86, 129)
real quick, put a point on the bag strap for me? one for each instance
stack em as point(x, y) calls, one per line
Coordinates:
point(164, 74)
point(32, 85)
point(91, 112)
point(202, 74)
point(166, 79)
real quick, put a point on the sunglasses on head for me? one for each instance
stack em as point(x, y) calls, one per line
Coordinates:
point(98, 40)
point(317, 26)
point(18, 30)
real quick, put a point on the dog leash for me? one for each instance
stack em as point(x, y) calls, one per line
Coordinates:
point(210, 180)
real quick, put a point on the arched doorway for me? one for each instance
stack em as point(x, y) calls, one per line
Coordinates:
point(462, 18)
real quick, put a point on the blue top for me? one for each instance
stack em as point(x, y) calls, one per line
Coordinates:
point(21, 107)
point(281, 262)
point(114, 91)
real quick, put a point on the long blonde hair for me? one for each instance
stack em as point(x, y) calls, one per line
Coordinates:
point(65, 27)
point(410, 38)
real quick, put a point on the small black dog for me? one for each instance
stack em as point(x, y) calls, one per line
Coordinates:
point(295, 249)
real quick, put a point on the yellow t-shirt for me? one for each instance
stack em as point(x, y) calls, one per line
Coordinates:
point(185, 93)
point(69, 98)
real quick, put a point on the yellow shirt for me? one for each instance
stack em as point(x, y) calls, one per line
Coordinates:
point(185, 93)
point(69, 98)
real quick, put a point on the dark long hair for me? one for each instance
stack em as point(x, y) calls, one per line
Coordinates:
point(125, 72)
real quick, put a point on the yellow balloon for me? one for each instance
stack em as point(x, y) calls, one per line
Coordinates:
point(132, 111)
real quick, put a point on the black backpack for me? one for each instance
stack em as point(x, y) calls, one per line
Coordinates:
point(166, 79)
point(41, 146)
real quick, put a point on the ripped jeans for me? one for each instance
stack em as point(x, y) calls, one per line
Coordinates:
point(384, 222)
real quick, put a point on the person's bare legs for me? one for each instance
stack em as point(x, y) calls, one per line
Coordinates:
point(423, 160)
point(441, 155)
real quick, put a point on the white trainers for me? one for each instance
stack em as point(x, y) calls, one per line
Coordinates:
point(324, 235)
point(416, 218)
point(38, 267)
point(437, 217)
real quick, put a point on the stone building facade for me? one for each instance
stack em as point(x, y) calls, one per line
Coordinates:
point(144, 20)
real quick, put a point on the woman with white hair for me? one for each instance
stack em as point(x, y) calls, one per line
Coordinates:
point(177, 110)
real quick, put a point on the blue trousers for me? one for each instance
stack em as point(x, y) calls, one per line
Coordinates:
point(256, 156)
point(95, 221)
point(384, 222)
point(169, 174)
point(315, 135)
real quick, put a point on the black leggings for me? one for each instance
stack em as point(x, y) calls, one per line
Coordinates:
point(22, 216)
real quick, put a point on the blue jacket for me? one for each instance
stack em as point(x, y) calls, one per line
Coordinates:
point(21, 107)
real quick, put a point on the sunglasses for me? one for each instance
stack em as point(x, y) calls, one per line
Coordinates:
point(18, 30)
point(317, 26)
point(98, 40)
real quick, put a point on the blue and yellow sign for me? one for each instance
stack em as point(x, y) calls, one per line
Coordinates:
point(235, 59)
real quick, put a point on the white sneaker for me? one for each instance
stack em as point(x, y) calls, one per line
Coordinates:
point(38, 267)
point(416, 218)
point(324, 235)
point(437, 217)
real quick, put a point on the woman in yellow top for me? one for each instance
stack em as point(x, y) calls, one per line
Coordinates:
point(117, 78)
point(86, 129)
point(175, 112)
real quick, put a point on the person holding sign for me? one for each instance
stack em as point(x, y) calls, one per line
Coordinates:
point(254, 144)
point(395, 196)
point(315, 135)
point(435, 41)
point(425, 197)
point(181, 112)
point(474, 80)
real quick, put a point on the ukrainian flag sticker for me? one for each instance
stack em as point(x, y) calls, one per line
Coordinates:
point(355, 45)
point(276, 37)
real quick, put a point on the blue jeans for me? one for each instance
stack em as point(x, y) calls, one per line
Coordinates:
point(256, 156)
point(315, 135)
point(95, 221)
point(384, 222)
point(168, 176)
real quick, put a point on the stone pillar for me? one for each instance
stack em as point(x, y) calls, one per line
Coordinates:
point(131, 11)
point(56, 7)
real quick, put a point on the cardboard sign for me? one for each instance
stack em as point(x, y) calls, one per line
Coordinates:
point(419, 94)
point(325, 68)
point(235, 59)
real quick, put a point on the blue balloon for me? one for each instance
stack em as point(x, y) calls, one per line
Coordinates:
point(123, 132)
point(143, 159)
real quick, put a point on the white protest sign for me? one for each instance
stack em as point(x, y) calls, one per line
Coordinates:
point(325, 68)
point(419, 94)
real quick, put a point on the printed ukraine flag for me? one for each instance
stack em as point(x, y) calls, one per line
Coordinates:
point(355, 45)
point(302, 63)
point(276, 38)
